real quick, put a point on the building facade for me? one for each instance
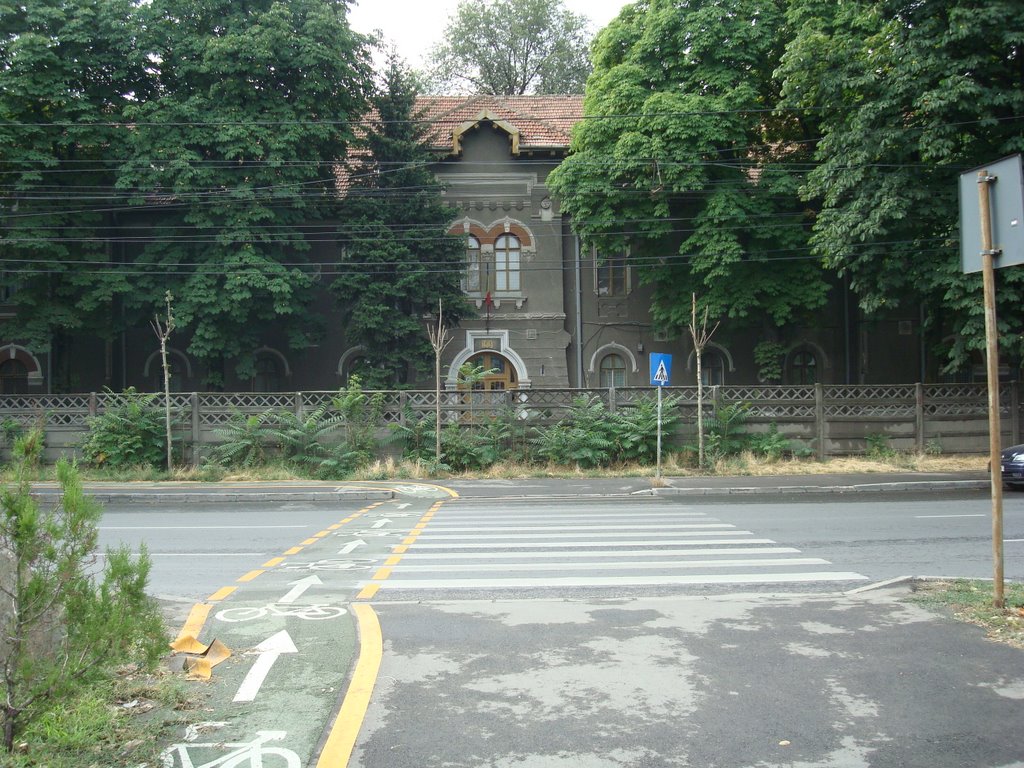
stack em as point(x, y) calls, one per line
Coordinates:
point(548, 314)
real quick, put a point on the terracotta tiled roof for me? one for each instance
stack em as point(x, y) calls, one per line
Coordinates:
point(542, 121)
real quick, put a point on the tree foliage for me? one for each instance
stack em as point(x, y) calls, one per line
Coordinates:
point(682, 163)
point(61, 623)
point(233, 157)
point(400, 259)
point(909, 95)
point(67, 69)
point(512, 48)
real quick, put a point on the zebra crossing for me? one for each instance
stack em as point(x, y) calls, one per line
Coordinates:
point(549, 545)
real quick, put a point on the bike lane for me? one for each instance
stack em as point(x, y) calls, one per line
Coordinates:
point(274, 649)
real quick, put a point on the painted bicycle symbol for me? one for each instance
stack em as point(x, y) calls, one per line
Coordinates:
point(330, 565)
point(253, 754)
point(316, 612)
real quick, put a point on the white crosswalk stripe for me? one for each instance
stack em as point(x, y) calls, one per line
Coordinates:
point(570, 545)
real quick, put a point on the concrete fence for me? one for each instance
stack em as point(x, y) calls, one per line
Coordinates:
point(828, 420)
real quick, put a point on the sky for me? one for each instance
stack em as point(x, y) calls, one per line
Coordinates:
point(415, 26)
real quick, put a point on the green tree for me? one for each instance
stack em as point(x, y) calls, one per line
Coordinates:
point(683, 164)
point(909, 95)
point(400, 261)
point(61, 623)
point(232, 164)
point(512, 48)
point(67, 70)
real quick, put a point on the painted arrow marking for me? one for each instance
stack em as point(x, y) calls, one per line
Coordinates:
point(351, 547)
point(299, 587)
point(268, 652)
point(404, 506)
point(381, 523)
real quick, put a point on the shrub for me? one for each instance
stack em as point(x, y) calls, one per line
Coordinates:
point(724, 430)
point(769, 444)
point(130, 432)
point(878, 447)
point(64, 626)
point(583, 437)
point(245, 440)
point(635, 429)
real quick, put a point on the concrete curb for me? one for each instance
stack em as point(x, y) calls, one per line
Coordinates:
point(941, 485)
point(250, 497)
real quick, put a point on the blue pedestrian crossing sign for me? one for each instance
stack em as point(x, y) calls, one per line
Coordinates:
point(661, 369)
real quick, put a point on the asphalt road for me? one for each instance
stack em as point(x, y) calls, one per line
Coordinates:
point(598, 632)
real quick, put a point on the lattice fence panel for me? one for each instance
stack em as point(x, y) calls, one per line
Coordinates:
point(217, 408)
point(48, 410)
point(897, 401)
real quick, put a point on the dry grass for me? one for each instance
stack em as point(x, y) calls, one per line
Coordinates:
point(971, 601)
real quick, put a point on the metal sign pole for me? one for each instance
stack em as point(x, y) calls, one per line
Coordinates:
point(992, 361)
point(657, 471)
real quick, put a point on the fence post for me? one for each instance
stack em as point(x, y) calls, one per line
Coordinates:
point(403, 403)
point(197, 434)
point(819, 418)
point(919, 415)
point(92, 404)
point(611, 398)
point(298, 404)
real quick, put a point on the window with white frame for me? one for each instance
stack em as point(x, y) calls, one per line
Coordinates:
point(613, 371)
point(712, 368)
point(474, 277)
point(507, 253)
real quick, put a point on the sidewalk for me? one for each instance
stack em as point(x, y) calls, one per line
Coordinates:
point(312, 491)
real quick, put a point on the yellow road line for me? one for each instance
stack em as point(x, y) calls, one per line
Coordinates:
point(381, 574)
point(400, 549)
point(321, 534)
point(392, 561)
point(338, 747)
point(367, 592)
point(196, 619)
point(220, 594)
point(307, 542)
point(334, 527)
point(250, 576)
point(293, 551)
point(410, 540)
point(273, 561)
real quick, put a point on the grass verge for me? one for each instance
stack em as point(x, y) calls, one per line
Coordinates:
point(971, 601)
point(118, 723)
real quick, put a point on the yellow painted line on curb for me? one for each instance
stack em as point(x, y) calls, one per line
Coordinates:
point(196, 619)
point(249, 576)
point(273, 561)
point(220, 594)
point(381, 574)
point(393, 560)
point(400, 549)
point(368, 591)
point(293, 551)
point(345, 729)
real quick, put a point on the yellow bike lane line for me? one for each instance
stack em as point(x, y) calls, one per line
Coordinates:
point(341, 725)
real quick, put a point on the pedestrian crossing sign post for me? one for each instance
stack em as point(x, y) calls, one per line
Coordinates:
point(661, 369)
point(661, 376)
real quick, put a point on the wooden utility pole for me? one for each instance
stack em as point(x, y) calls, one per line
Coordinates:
point(992, 362)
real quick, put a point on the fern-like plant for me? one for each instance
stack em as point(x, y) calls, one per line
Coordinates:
point(245, 440)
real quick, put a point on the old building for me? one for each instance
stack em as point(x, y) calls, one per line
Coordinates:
point(548, 314)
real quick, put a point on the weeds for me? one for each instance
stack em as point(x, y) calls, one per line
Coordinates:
point(971, 601)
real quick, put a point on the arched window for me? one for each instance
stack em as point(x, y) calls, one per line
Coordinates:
point(506, 263)
point(712, 368)
point(13, 378)
point(498, 373)
point(613, 371)
point(475, 276)
point(268, 376)
point(803, 368)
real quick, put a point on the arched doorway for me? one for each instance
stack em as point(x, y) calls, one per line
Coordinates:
point(13, 378)
point(498, 373)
